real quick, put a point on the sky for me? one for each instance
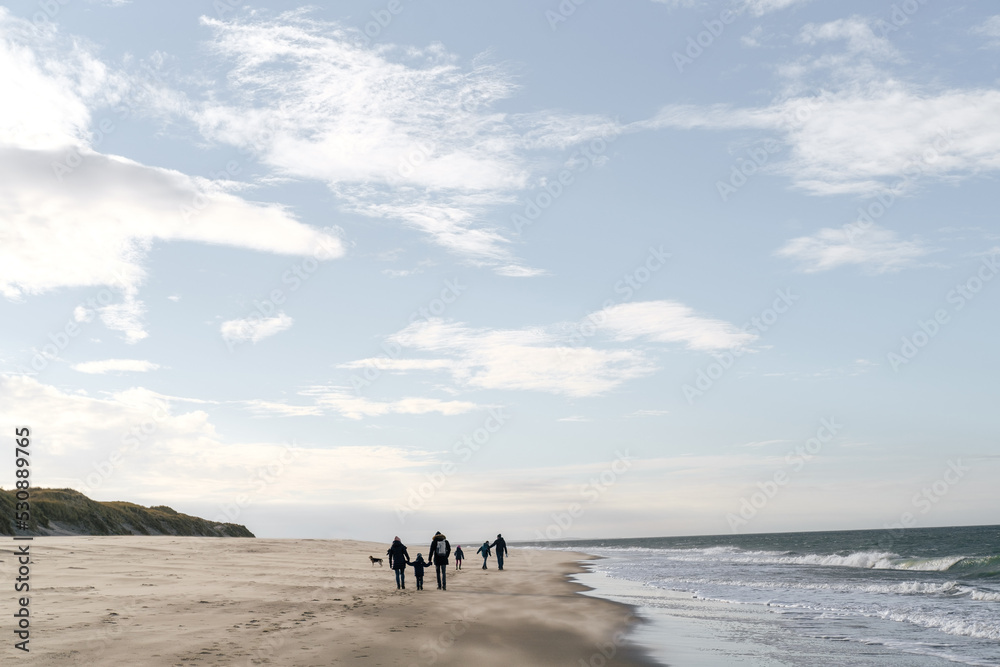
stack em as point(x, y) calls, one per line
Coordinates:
point(572, 269)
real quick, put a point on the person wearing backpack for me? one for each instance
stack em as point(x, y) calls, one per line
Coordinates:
point(398, 558)
point(438, 554)
point(501, 546)
point(485, 551)
point(459, 557)
point(418, 570)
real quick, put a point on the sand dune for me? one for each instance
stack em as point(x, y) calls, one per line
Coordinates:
point(208, 601)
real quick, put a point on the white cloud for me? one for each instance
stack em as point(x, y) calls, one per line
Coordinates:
point(73, 217)
point(353, 406)
point(45, 94)
point(855, 31)
point(255, 329)
point(864, 141)
point(112, 365)
point(869, 130)
point(761, 7)
point(404, 134)
point(989, 28)
point(671, 322)
point(546, 358)
point(763, 443)
point(674, 4)
point(876, 250)
point(95, 226)
point(168, 456)
point(342, 401)
point(755, 7)
point(648, 413)
point(529, 359)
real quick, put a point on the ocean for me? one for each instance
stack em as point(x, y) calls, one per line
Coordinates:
point(913, 597)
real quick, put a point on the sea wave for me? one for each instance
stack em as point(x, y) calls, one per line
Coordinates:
point(983, 566)
point(946, 589)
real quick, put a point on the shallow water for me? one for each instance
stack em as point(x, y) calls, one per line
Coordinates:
point(920, 596)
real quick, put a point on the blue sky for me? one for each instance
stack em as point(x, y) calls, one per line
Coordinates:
point(569, 270)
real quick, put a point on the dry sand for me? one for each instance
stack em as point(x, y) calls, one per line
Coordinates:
point(210, 601)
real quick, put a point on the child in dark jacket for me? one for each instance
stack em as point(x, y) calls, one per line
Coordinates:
point(418, 570)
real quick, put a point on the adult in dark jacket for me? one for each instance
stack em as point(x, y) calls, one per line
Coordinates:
point(501, 547)
point(438, 554)
point(398, 558)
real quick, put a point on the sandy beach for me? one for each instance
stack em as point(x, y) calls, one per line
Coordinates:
point(209, 601)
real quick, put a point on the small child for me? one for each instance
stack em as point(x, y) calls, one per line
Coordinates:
point(418, 570)
point(459, 556)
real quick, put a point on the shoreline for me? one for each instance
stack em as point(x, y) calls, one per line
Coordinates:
point(167, 600)
point(678, 628)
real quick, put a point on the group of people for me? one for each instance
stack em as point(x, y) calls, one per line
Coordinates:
point(501, 546)
point(437, 555)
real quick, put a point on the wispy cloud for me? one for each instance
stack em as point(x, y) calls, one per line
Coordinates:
point(533, 359)
point(405, 134)
point(75, 217)
point(344, 402)
point(671, 322)
point(648, 413)
point(255, 329)
point(546, 359)
point(869, 130)
point(876, 251)
point(115, 365)
point(989, 28)
point(761, 7)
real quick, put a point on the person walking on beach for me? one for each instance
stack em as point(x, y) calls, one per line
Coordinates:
point(501, 546)
point(398, 558)
point(459, 556)
point(438, 554)
point(485, 551)
point(418, 570)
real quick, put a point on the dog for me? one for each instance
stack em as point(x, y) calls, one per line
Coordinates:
point(375, 560)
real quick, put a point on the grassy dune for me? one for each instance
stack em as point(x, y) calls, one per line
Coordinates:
point(62, 511)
